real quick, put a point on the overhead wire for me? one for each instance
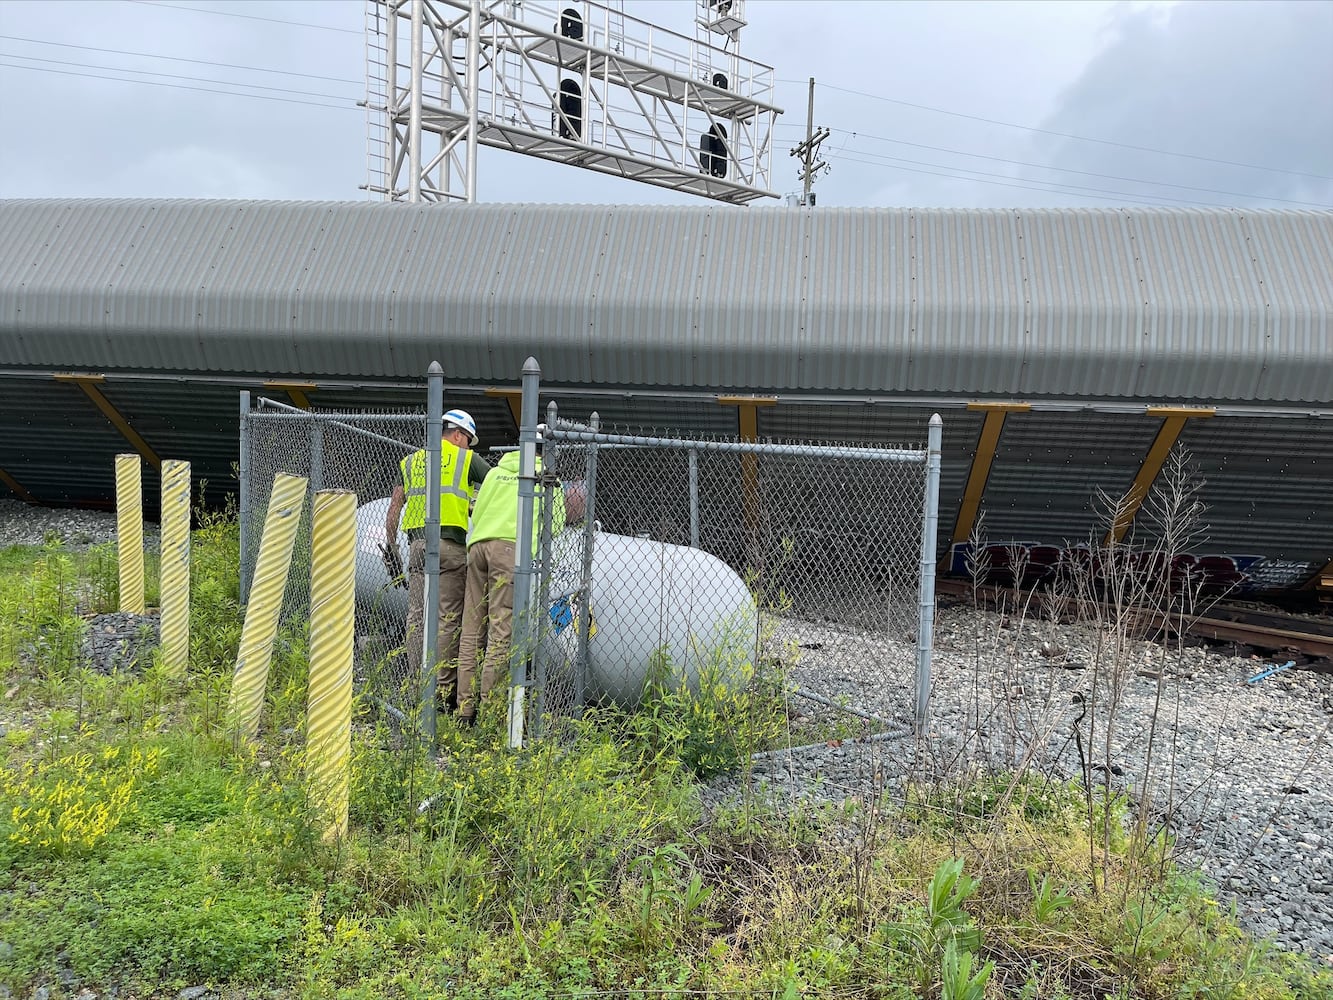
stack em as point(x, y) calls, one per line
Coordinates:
point(179, 86)
point(201, 62)
point(248, 17)
point(1052, 187)
point(1065, 135)
point(1045, 166)
point(1039, 184)
point(1004, 180)
point(174, 76)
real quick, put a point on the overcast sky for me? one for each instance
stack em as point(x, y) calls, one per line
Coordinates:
point(930, 104)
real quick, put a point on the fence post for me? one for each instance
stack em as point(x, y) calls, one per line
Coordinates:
point(243, 501)
point(129, 532)
point(430, 625)
point(329, 700)
point(929, 528)
point(585, 579)
point(175, 576)
point(520, 647)
point(550, 482)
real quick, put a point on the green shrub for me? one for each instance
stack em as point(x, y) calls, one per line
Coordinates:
point(716, 728)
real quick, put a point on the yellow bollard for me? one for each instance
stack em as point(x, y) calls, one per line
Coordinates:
point(332, 615)
point(175, 622)
point(129, 533)
point(285, 504)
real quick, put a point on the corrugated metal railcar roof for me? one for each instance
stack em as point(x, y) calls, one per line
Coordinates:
point(1158, 304)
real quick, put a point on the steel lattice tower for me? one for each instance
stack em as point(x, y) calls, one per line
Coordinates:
point(579, 82)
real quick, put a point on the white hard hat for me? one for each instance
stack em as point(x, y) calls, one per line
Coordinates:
point(462, 419)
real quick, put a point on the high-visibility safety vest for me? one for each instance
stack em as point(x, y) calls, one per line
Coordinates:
point(455, 489)
point(496, 512)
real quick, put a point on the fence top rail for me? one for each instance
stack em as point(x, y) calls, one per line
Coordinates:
point(272, 409)
point(578, 433)
point(339, 420)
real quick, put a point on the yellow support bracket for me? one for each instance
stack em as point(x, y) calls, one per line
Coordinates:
point(514, 397)
point(1174, 419)
point(747, 412)
point(89, 384)
point(988, 442)
point(747, 416)
point(296, 391)
point(17, 487)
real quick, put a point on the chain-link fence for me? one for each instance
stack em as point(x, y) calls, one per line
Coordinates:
point(359, 452)
point(702, 560)
point(675, 561)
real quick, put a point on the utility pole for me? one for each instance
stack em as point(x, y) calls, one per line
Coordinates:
point(808, 151)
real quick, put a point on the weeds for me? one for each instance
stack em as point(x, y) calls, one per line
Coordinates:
point(574, 867)
point(1047, 901)
point(714, 725)
point(74, 802)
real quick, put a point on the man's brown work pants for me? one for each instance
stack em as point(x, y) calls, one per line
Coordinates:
point(488, 615)
point(453, 571)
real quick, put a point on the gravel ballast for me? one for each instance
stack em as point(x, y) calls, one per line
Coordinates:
point(1244, 770)
point(24, 524)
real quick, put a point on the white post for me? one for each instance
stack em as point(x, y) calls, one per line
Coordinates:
point(414, 113)
point(929, 528)
point(473, 95)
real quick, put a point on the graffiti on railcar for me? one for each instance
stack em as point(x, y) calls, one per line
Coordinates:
point(1214, 573)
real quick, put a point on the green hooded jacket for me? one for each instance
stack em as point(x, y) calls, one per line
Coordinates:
point(495, 514)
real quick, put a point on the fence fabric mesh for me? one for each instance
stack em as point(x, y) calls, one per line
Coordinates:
point(702, 565)
point(359, 452)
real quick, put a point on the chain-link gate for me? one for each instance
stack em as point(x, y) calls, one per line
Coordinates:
point(701, 560)
point(359, 452)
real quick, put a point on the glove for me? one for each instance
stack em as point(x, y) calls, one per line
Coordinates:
point(393, 562)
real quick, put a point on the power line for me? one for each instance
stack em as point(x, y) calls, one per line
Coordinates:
point(175, 76)
point(1058, 187)
point(178, 86)
point(1027, 183)
point(201, 62)
point(1068, 135)
point(249, 17)
point(1133, 199)
point(1066, 170)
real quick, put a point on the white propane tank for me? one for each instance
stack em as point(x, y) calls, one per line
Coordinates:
point(375, 597)
point(654, 603)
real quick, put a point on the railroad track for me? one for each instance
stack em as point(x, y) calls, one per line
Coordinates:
point(1267, 630)
point(1311, 638)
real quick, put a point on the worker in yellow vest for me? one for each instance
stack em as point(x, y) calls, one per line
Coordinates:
point(461, 472)
point(488, 607)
